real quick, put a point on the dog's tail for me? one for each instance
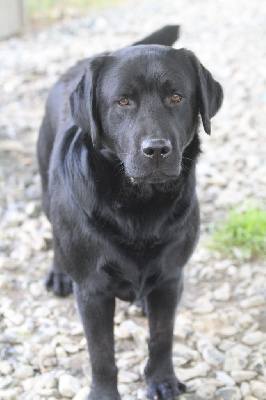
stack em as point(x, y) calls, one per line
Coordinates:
point(165, 36)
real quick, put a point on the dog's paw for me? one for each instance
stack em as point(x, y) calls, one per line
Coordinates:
point(142, 304)
point(167, 389)
point(59, 283)
point(98, 396)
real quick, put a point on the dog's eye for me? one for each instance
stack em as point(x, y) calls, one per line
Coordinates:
point(176, 97)
point(124, 102)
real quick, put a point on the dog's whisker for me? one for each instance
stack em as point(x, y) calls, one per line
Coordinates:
point(185, 167)
point(119, 168)
point(186, 158)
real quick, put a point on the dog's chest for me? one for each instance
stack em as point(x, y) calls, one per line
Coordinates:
point(121, 284)
point(140, 270)
point(134, 248)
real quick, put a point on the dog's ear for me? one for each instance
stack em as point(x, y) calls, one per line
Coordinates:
point(209, 92)
point(83, 99)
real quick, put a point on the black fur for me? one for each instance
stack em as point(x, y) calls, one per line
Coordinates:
point(119, 189)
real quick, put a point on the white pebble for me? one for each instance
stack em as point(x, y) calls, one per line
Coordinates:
point(234, 364)
point(206, 392)
point(253, 338)
point(254, 301)
point(5, 367)
point(23, 372)
point(239, 350)
point(245, 388)
point(228, 393)
point(258, 389)
point(186, 374)
point(82, 394)
point(127, 377)
point(224, 378)
point(241, 376)
point(68, 385)
point(213, 356)
point(222, 293)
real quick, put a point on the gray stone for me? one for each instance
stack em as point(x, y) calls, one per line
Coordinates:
point(190, 396)
point(228, 394)
point(213, 356)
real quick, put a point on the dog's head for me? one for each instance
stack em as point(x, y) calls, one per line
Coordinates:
point(142, 103)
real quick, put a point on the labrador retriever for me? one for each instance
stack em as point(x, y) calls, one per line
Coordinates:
point(117, 152)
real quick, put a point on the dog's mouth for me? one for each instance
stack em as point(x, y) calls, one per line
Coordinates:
point(155, 176)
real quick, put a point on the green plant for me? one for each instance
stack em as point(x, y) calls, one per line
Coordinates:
point(43, 13)
point(46, 6)
point(38, 6)
point(243, 233)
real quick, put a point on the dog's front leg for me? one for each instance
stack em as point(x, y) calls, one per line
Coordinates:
point(161, 379)
point(97, 313)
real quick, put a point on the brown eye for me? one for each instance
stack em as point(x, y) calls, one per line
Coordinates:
point(124, 102)
point(176, 97)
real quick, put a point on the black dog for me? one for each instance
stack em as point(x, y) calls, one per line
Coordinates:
point(118, 173)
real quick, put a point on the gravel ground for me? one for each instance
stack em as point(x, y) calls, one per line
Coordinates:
point(220, 339)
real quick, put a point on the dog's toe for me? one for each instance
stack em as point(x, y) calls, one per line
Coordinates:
point(59, 283)
point(165, 390)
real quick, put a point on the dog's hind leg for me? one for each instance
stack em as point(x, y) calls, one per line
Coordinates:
point(142, 304)
point(57, 280)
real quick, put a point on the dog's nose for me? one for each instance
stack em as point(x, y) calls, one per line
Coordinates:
point(156, 148)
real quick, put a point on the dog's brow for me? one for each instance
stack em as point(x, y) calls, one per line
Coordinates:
point(175, 80)
point(132, 86)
